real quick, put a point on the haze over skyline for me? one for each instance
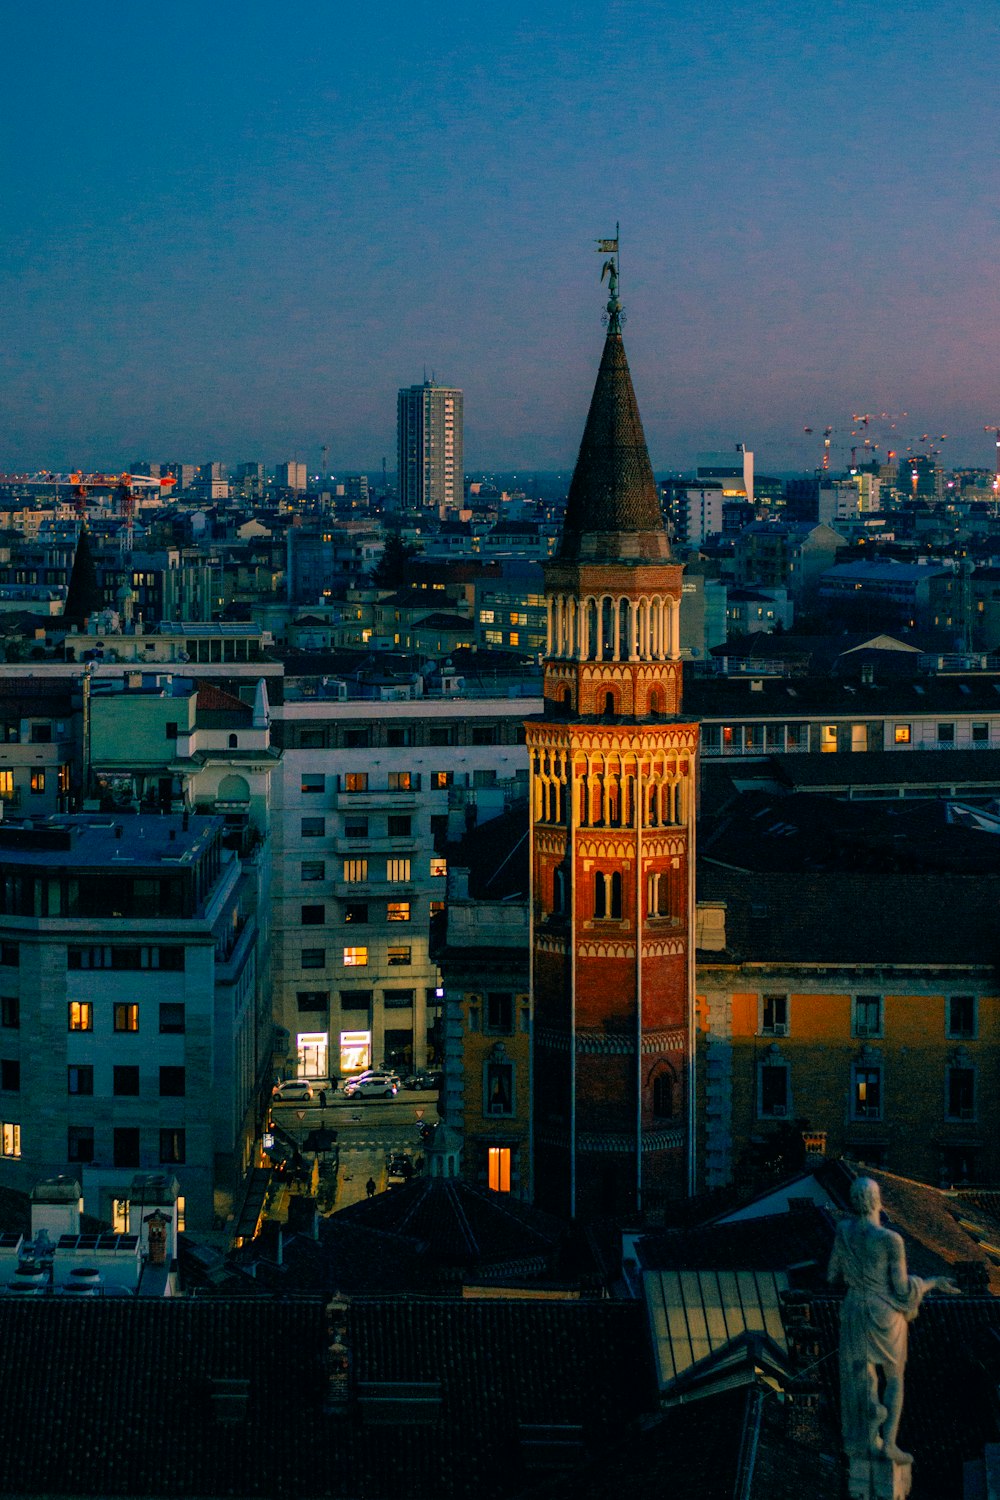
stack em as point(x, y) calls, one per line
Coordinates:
point(233, 234)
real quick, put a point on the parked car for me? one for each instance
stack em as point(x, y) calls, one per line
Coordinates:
point(399, 1166)
point(292, 1090)
point(371, 1086)
point(423, 1078)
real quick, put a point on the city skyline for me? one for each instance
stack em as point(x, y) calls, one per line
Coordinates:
point(226, 233)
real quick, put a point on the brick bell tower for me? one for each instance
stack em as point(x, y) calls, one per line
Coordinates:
point(613, 765)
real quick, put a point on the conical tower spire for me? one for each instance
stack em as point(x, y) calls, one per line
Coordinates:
point(613, 510)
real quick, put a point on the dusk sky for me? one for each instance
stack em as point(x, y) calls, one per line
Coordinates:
point(234, 230)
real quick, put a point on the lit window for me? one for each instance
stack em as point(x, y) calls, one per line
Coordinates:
point(498, 1158)
point(81, 1015)
point(355, 871)
point(356, 781)
point(398, 911)
point(399, 957)
point(828, 738)
point(401, 781)
point(397, 869)
point(356, 958)
point(10, 1139)
point(439, 865)
point(38, 781)
point(441, 779)
point(901, 734)
point(126, 1017)
point(6, 784)
point(486, 616)
point(867, 1093)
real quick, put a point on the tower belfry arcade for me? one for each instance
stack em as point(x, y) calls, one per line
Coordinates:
point(613, 766)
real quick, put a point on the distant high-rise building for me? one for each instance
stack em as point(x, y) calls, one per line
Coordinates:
point(291, 476)
point(429, 438)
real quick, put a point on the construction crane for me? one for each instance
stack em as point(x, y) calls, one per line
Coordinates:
point(122, 486)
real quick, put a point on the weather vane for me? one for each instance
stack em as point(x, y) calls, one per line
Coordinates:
point(614, 317)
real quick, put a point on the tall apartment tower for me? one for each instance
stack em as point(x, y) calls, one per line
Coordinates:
point(429, 441)
point(613, 764)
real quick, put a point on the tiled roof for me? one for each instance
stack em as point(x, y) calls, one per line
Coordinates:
point(115, 1397)
point(613, 507)
point(465, 1227)
point(772, 1242)
point(848, 918)
point(732, 1442)
point(215, 700)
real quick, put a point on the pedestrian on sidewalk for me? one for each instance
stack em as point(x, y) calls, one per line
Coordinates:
point(370, 1187)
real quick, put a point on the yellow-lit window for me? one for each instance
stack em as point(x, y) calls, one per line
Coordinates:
point(828, 738)
point(127, 1017)
point(356, 781)
point(499, 1168)
point(439, 865)
point(355, 958)
point(397, 869)
point(6, 783)
point(398, 911)
point(38, 781)
point(63, 775)
point(901, 734)
point(119, 1215)
point(355, 871)
point(81, 1015)
point(10, 1140)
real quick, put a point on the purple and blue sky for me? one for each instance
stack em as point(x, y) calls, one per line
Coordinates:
point(232, 230)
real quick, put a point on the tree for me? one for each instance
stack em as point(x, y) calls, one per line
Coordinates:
point(393, 569)
point(83, 597)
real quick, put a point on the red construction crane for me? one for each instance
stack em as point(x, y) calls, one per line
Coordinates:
point(123, 487)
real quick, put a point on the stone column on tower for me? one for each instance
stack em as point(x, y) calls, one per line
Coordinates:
point(613, 764)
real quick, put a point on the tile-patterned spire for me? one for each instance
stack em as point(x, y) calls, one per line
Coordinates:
point(613, 511)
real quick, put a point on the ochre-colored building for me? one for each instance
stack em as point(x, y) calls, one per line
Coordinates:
point(864, 1011)
point(612, 810)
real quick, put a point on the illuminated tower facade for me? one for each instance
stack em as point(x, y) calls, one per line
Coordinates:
point(613, 765)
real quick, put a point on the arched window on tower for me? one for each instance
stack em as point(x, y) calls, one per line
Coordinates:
point(233, 741)
point(655, 701)
point(610, 706)
point(607, 894)
point(664, 1092)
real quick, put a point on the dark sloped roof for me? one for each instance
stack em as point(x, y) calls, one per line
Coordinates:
point(464, 1226)
point(847, 918)
point(114, 1397)
point(613, 509)
point(496, 855)
point(771, 1242)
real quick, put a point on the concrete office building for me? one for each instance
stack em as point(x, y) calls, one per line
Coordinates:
point(127, 1021)
point(368, 788)
point(429, 447)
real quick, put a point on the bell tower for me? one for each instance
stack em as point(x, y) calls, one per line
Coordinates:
point(613, 765)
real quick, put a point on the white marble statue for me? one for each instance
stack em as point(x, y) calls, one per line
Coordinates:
point(881, 1300)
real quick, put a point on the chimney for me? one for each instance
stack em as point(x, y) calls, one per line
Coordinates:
point(56, 1205)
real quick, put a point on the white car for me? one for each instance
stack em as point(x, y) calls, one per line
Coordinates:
point(293, 1090)
point(371, 1085)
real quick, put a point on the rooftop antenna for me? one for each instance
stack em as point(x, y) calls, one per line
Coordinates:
point(614, 317)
